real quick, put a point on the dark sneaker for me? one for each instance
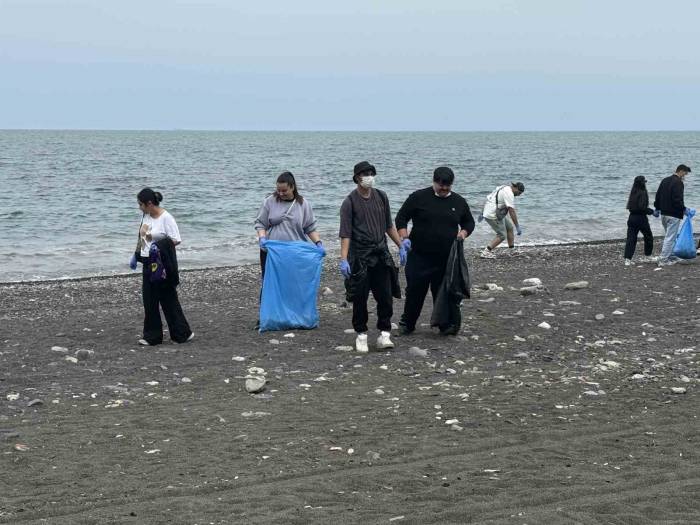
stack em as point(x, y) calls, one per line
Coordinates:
point(405, 330)
point(450, 330)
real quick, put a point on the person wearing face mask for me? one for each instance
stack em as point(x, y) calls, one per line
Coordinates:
point(285, 216)
point(365, 261)
point(438, 215)
point(669, 202)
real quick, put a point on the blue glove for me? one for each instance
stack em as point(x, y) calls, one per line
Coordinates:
point(518, 230)
point(690, 212)
point(319, 246)
point(406, 245)
point(262, 241)
point(345, 268)
point(403, 254)
point(480, 217)
point(132, 262)
point(656, 213)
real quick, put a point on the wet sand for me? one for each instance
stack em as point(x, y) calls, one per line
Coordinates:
point(578, 423)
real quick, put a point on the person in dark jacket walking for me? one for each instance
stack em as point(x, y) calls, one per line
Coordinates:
point(365, 261)
point(638, 206)
point(439, 215)
point(669, 202)
point(159, 234)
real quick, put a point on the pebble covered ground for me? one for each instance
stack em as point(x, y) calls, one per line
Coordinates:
point(555, 403)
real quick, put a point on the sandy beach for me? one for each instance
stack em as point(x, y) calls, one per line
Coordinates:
point(592, 420)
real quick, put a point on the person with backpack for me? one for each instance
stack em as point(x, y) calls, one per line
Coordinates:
point(365, 261)
point(439, 216)
point(159, 235)
point(669, 202)
point(638, 206)
point(499, 212)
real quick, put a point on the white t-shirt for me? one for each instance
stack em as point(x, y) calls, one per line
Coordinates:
point(159, 228)
point(506, 199)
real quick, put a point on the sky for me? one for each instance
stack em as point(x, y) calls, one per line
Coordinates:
point(474, 65)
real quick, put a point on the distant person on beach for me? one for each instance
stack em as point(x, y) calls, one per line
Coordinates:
point(438, 215)
point(499, 212)
point(285, 216)
point(159, 235)
point(638, 206)
point(365, 261)
point(669, 202)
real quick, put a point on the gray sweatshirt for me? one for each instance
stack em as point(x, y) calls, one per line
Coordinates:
point(283, 223)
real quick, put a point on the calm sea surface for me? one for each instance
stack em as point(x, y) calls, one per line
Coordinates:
point(68, 198)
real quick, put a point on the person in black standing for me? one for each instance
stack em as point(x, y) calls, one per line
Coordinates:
point(159, 234)
point(365, 261)
point(438, 215)
point(638, 206)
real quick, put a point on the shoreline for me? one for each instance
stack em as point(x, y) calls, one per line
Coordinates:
point(331, 253)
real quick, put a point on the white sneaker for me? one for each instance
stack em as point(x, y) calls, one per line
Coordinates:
point(628, 262)
point(361, 343)
point(487, 254)
point(384, 341)
point(143, 342)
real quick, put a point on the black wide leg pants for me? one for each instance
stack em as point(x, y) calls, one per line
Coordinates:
point(635, 224)
point(155, 297)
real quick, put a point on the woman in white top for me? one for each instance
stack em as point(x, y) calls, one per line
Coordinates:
point(158, 226)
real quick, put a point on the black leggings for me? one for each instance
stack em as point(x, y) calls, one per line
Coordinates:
point(636, 224)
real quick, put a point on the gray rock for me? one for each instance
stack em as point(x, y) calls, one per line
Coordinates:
point(491, 287)
point(255, 384)
point(577, 285)
point(59, 349)
point(327, 291)
point(599, 317)
point(35, 402)
point(678, 389)
point(417, 352)
point(274, 341)
point(372, 456)
point(532, 281)
point(344, 348)
point(569, 303)
point(544, 325)
point(530, 290)
point(83, 355)
point(185, 380)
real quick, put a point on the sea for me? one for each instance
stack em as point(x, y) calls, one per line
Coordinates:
point(68, 198)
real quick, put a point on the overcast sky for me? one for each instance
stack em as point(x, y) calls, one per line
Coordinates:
point(353, 65)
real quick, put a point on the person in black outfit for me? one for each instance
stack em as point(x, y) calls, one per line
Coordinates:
point(669, 201)
point(365, 261)
point(438, 215)
point(638, 206)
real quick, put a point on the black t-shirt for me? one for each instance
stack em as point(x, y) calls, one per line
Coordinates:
point(436, 220)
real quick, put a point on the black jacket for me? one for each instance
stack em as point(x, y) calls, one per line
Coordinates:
point(369, 255)
point(455, 286)
point(169, 256)
point(669, 197)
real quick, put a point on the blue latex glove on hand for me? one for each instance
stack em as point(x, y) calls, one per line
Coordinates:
point(656, 213)
point(345, 268)
point(403, 255)
point(406, 245)
point(132, 262)
point(262, 241)
point(518, 230)
point(690, 212)
point(319, 246)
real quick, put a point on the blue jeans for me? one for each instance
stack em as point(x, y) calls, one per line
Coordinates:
point(670, 225)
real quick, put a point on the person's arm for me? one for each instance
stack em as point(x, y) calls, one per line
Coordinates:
point(314, 236)
point(344, 248)
point(513, 216)
point(466, 223)
point(394, 236)
point(262, 220)
point(404, 215)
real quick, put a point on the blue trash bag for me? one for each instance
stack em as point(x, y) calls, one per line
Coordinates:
point(685, 243)
point(290, 286)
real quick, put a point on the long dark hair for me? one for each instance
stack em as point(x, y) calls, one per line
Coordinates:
point(147, 195)
point(287, 178)
point(639, 198)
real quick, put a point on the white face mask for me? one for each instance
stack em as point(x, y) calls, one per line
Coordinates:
point(367, 182)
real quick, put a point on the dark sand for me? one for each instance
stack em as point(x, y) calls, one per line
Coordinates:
point(575, 424)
